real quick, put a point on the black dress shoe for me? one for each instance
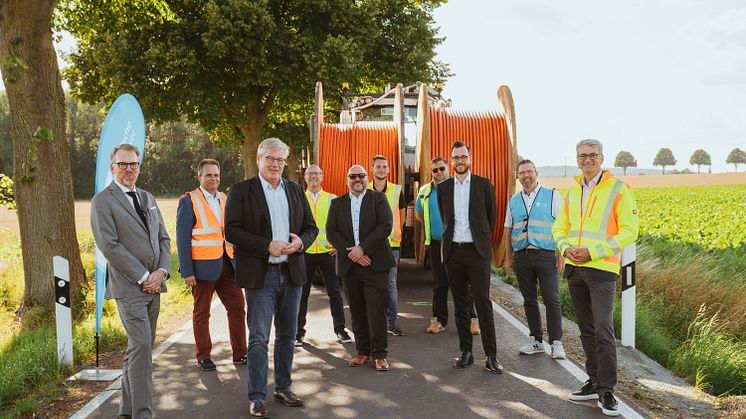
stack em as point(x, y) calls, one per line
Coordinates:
point(493, 366)
point(258, 409)
point(465, 360)
point(288, 398)
point(206, 365)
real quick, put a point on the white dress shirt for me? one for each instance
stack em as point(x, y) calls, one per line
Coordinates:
point(528, 200)
point(314, 196)
point(461, 228)
point(355, 204)
point(587, 188)
point(213, 201)
point(279, 215)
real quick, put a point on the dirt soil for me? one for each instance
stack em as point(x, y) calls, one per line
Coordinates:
point(651, 389)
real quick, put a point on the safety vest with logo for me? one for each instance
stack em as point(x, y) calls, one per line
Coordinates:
point(608, 223)
point(532, 228)
point(320, 210)
point(393, 192)
point(424, 195)
point(208, 235)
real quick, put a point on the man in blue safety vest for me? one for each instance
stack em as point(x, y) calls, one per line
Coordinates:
point(427, 212)
point(531, 253)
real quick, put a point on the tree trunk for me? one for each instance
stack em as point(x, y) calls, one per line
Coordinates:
point(41, 159)
point(698, 166)
point(625, 170)
point(252, 136)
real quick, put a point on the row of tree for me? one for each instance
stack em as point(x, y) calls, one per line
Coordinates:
point(665, 157)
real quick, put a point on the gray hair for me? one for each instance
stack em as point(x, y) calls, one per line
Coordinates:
point(591, 142)
point(354, 166)
point(272, 144)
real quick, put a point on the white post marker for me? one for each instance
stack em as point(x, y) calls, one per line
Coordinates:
point(629, 298)
point(62, 311)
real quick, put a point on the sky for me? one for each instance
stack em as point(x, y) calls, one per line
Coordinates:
point(636, 75)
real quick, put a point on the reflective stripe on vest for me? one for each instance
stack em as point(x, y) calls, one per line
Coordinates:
point(208, 238)
point(393, 192)
point(532, 228)
point(424, 195)
point(320, 210)
point(594, 227)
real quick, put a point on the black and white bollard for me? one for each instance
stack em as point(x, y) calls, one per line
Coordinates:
point(62, 311)
point(629, 297)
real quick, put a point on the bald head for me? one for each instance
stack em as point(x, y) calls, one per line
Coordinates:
point(357, 179)
point(314, 176)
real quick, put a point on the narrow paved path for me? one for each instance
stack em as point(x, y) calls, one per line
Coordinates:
point(421, 382)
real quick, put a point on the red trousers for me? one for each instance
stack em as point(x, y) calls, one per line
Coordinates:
point(233, 300)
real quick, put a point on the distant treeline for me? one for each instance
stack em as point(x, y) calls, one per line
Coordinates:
point(172, 151)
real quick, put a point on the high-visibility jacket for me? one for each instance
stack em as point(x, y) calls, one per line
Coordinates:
point(532, 228)
point(208, 234)
point(393, 192)
point(608, 224)
point(320, 210)
point(424, 195)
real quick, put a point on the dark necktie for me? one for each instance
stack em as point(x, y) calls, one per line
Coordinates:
point(138, 208)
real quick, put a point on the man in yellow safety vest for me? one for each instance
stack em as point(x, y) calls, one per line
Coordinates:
point(205, 263)
point(395, 196)
point(598, 219)
point(321, 255)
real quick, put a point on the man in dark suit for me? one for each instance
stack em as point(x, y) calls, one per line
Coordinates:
point(467, 207)
point(358, 226)
point(269, 222)
point(205, 263)
point(128, 228)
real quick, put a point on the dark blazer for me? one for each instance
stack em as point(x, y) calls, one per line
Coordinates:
point(248, 226)
point(482, 214)
point(203, 270)
point(375, 226)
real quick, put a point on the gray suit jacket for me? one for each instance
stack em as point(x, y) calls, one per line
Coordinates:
point(130, 247)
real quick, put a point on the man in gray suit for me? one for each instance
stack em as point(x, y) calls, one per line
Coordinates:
point(128, 228)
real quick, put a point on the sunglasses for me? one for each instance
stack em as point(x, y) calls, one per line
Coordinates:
point(441, 169)
point(353, 176)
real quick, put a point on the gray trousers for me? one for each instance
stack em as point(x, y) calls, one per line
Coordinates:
point(139, 315)
point(592, 293)
point(534, 266)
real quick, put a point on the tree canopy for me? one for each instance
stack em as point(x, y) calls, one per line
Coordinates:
point(736, 157)
point(225, 64)
point(624, 160)
point(699, 158)
point(664, 158)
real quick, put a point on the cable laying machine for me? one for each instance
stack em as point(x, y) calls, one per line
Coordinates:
point(411, 126)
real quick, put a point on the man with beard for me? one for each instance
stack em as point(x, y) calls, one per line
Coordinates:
point(427, 212)
point(128, 228)
point(467, 208)
point(269, 222)
point(395, 196)
point(358, 226)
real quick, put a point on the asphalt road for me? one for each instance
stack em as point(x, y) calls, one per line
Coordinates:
point(421, 383)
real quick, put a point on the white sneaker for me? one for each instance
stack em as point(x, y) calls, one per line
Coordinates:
point(532, 347)
point(558, 351)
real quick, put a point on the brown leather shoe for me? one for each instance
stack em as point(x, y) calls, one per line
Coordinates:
point(381, 364)
point(359, 360)
point(288, 398)
point(258, 409)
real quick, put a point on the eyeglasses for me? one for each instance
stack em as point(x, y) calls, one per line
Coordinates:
point(271, 160)
point(314, 173)
point(122, 165)
point(526, 172)
point(459, 158)
point(592, 156)
point(439, 169)
point(353, 176)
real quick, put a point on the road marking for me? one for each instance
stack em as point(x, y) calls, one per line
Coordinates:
point(116, 385)
point(568, 365)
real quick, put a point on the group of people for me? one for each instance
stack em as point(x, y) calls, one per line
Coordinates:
point(269, 237)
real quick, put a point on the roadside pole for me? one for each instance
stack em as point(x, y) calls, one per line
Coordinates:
point(629, 295)
point(62, 311)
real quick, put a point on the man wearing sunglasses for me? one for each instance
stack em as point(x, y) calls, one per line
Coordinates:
point(358, 226)
point(128, 228)
point(427, 212)
point(598, 219)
